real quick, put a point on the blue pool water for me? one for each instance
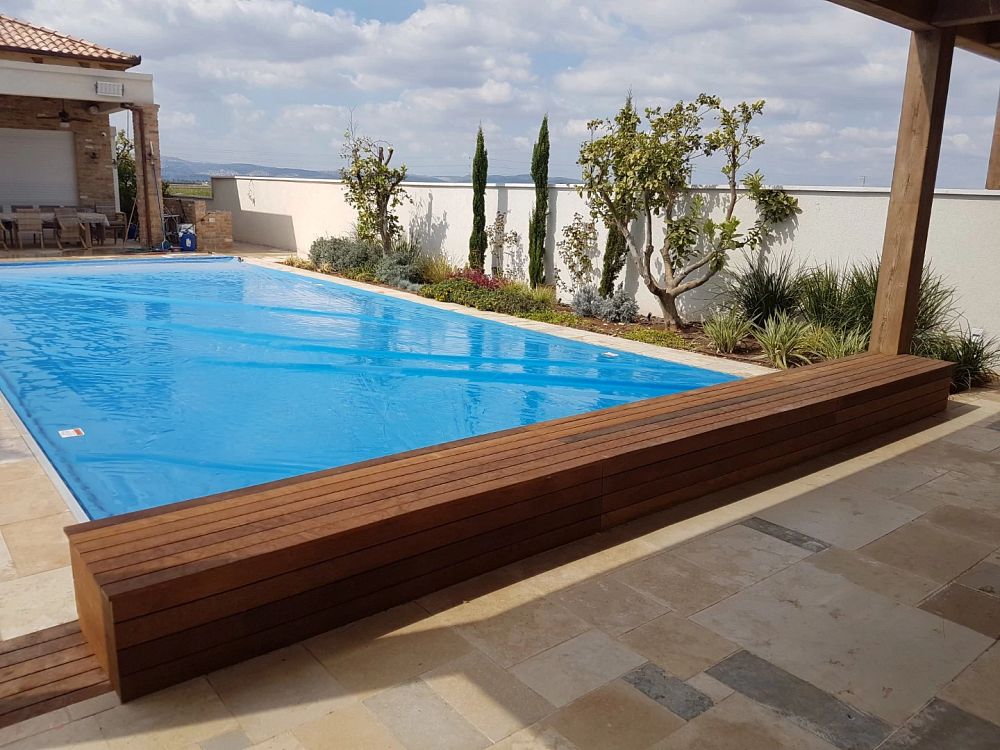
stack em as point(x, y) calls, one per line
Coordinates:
point(194, 376)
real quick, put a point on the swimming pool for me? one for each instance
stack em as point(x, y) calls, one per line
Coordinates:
point(156, 380)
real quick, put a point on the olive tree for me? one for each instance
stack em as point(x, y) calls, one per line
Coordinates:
point(636, 167)
point(374, 188)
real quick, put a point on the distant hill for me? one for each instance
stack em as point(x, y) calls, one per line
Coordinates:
point(182, 170)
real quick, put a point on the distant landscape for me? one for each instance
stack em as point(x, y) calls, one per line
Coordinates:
point(183, 171)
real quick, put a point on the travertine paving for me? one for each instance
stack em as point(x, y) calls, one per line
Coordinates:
point(850, 604)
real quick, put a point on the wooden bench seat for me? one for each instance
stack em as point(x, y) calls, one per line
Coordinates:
point(173, 592)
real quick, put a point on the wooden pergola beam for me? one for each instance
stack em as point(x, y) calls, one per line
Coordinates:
point(993, 171)
point(964, 12)
point(918, 147)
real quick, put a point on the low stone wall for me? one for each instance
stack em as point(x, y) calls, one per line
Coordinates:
point(214, 229)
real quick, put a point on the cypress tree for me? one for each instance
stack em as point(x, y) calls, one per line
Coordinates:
point(615, 252)
point(477, 240)
point(540, 213)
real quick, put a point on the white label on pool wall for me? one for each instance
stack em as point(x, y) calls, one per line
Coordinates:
point(75, 432)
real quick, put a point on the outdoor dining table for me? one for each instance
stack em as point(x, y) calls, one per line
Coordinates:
point(87, 218)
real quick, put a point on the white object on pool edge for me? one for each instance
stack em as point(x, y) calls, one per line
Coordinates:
point(75, 432)
point(610, 354)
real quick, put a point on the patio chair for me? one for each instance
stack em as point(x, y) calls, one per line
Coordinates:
point(117, 224)
point(69, 229)
point(28, 221)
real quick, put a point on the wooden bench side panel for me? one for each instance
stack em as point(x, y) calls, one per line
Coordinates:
point(160, 606)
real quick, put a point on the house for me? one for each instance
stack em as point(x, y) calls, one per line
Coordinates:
point(56, 141)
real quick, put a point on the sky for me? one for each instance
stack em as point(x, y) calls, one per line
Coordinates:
point(276, 82)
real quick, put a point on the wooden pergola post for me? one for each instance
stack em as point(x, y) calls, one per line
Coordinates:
point(918, 147)
point(993, 171)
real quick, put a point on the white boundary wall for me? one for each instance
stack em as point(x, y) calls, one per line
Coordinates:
point(837, 225)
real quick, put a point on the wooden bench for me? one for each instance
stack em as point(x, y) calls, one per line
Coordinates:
point(170, 593)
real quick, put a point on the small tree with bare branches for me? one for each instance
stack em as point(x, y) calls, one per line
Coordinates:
point(374, 188)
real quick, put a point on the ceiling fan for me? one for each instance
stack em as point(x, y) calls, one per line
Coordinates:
point(63, 116)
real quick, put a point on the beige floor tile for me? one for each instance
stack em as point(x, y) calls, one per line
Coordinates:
point(881, 656)
point(927, 550)
point(35, 602)
point(615, 716)
point(943, 457)
point(538, 737)
point(175, 718)
point(610, 605)
point(957, 488)
point(887, 580)
point(680, 646)
point(977, 438)
point(519, 633)
point(38, 544)
point(7, 569)
point(27, 497)
point(681, 586)
point(984, 577)
point(353, 727)
point(278, 692)
point(876, 474)
point(84, 734)
point(24, 469)
point(739, 723)
point(576, 667)
point(583, 560)
point(284, 741)
point(366, 666)
point(741, 554)
point(421, 720)
point(506, 584)
point(13, 449)
point(968, 607)
point(841, 514)
point(708, 685)
point(977, 689)
point(489, 697)
point(970, 523)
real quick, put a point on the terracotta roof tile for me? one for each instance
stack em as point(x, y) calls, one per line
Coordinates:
point(20, 36)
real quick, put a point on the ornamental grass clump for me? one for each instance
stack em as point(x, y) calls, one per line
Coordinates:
point(762, 288)
point(785, 340)
point(727, 330)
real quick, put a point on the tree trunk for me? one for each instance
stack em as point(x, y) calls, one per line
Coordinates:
point(671, 317)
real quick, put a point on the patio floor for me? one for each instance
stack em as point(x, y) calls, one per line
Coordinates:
point(854, 603)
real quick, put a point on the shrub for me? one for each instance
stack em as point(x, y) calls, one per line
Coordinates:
point(556, 317)
point(587, 301)
point(821, 298)
point(762, 290)
point(394, 271)
point(340, 254)
point(477, 277)
point(433, 270)
point(577, 249)
point(833, 343)
point(785, 340)
point(727, 329)
point(506, 299)
point(657, 336)
point(976, 358)
point(296, 262)
point(618, 308)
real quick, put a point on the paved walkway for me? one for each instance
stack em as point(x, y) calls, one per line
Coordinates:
point(852, 604)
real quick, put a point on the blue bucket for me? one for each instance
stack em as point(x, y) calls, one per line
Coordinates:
point(189, 242)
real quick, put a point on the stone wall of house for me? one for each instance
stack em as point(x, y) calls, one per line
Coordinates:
point(214, 229)
point(92, 142)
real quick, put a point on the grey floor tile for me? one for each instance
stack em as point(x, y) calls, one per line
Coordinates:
point(674, 695)
point(942, 726)
point(786, 534)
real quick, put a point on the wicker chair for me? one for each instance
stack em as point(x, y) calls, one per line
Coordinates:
point(117, 224)
point(68, 228)
point(28, 221)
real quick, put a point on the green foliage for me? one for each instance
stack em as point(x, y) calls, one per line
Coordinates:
point(657, 336)
point(620, 307)
point(615, 255)
point(822, 298)
point(587, 301)
point(374, 188)
point(577, 249)
point(125, 166)
point(508, 299)
point(543, 293)
point(340, 254)
point(556, 317)
point(500, 240)
point(433, 270)
point(627, 169)
point(727, 329)
point(477, 240)
point(539, 219)
point(834, 343)
point(394, 270)
point(976, 358)
point(786, 341)
point(762, 289)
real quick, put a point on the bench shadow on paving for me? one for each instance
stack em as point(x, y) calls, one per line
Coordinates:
point(849, 603)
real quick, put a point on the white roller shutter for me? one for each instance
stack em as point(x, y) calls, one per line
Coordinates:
point(37, 168)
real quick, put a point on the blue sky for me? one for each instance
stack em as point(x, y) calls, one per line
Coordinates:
point(276, 82)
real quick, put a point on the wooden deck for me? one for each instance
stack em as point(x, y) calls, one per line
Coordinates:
point(167, 594)
point(46, 670)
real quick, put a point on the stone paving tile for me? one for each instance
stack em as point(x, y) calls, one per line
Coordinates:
point(680, 646)
point(985, 438)
point(537, 737)
point(886, 658)
point(421, 720)
point(7, 569)
point(738, 723)
point(876, 576)
point(968, 607)
point(977, 689)
point(970, 523)
point(353, 727)
point(38, 544)
point(675, 695)
point(785, 534)
point(36, 602)
point(927, 550)
point(13, 449)
point(741, 554)
point(956, 488)
point(704, 683)
point(878, 476)
point(571, 669)
point(839, 724)
point(984, 577)
point(288, 741)
point(610, 605)
point(613, 717)
point(234, 740)
point(841, 514)
point(78, 735)
point(942, 726)
point(489, 697)
point(680, 585)
point(949, 457)
point(26, 495)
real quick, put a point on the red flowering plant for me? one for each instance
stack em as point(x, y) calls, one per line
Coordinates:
point(479, 278)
